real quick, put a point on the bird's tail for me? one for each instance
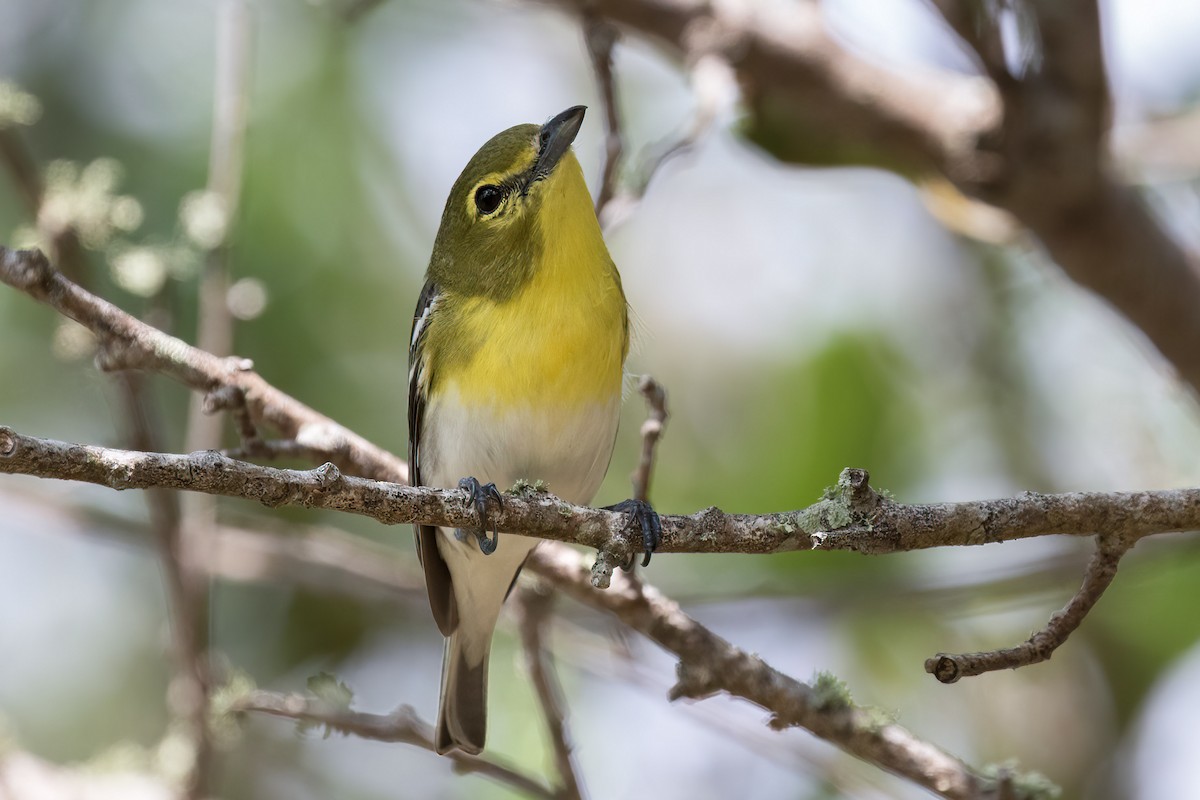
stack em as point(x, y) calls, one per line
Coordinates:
point(462, 712)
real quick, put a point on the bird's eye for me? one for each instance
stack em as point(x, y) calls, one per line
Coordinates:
point(543, 139)
point(487, 198)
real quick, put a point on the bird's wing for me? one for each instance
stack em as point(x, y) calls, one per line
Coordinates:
point(437, 574)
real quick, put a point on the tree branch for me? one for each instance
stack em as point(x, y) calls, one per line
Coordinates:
point(652, 431)
point(1040, 646)
point(852, 517)
point(402, 726)
point(231, 100)
point(709, 664)
point(535, 603)
point(600, 36)
point(796, 76)
point(128, 343)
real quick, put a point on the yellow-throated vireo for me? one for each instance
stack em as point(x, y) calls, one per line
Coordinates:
point(515, 372)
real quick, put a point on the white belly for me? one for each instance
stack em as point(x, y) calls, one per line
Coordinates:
point(568, 449)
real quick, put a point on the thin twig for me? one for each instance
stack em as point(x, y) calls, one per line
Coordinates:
point(65, 247)
point(1101, 570)
point(188, 696)
point(401, 726)
point(713, 87)
point(230, 112)
point(600, 36)
point(652, 431)
point(23, 169)
point(272, 449)
point(231, 93)
point(319, 558)
point(233, 400)
point(214, 333)
point(536, 604)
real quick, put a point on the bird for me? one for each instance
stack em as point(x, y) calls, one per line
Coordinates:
point(516, 372)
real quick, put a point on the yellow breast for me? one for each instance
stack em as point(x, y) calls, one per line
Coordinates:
point(558, 343)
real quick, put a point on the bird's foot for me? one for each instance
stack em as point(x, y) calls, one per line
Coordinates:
point(642, 513)
point(480, 494)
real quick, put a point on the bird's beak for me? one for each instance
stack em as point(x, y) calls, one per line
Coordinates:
point(555, 139)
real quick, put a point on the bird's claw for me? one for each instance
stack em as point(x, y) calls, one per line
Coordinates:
point(480, 494)
point(646, 517)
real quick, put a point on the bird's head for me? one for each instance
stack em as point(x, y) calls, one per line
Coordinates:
point(521, 193)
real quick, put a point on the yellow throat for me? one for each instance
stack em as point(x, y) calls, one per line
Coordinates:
point(560, 339)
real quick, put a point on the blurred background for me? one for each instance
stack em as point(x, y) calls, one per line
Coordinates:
point(802, 320)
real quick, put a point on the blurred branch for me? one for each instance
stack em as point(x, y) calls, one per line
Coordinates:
point(536, 605)
point(187, 698)
point(23, 169)
point(321, 558)
point(231, 99)
point(401, 726)
point(788, 62)
point(1040, 646)
point(600, 36)
point(26, 175)
point(713, 88)
point(1031, 144)
point(271, 449)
